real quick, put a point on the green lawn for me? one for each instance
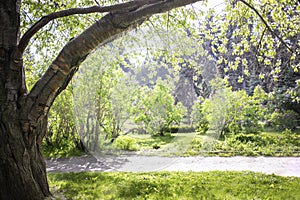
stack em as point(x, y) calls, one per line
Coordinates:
point(174, 185)
point(191, 144)
point(267, 143)
point(175, 144)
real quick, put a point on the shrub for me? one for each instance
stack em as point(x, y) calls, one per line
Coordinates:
point(281, 120)
point(156, 110)
point(199, 120)
point(229, 111)
point(290, 138)
point(256, 139)
point(156, 146)
point(126, 143)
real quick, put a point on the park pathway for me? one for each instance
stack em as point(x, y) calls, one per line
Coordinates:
point(283, 166)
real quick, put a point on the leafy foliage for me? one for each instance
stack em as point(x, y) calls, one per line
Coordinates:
point(238, 44)
point(264, 144)
point(62, 138)
point(156, 109)
point(252, 45)
point(284, 119)
point(230, 111)
point(126, 143)
point(200, 122)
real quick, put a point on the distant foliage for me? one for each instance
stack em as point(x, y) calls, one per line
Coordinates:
point(230, 111)
point(155, 109)
point(62, 139)
point(286, 143)
point(200, 123)
point(283, 119)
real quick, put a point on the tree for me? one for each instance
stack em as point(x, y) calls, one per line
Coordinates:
point(156, 109)
point(23, 114)
point(257, 45)
point(102, 98)
point(230, 111)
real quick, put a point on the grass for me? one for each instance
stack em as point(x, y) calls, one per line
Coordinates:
point(174, 144)
point(269, 143)
point(286, 143)
point(174, 185)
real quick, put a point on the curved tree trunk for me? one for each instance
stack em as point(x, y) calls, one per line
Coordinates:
point(23, 115)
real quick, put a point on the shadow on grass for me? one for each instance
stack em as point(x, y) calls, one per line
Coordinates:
point(155, 140)
point(175, 185)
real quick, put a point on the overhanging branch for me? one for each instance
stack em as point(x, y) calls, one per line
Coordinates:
point(74, 11)
point(266, 24)
point(62, 69)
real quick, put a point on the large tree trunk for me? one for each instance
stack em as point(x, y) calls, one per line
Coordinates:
point(22, 168)
point(23, 116)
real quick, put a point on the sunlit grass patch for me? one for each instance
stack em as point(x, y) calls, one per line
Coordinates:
point(175, 185)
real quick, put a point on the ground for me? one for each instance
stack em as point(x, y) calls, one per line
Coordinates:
point(284, 166)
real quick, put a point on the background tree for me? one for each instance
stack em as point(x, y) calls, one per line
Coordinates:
point(156, 109)
point(229, 111)
point(256, 45)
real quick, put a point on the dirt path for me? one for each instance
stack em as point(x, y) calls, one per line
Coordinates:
point(284, 166)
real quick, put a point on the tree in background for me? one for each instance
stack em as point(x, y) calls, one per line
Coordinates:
point(155, 109)
point(257, 45)
point(229, 111)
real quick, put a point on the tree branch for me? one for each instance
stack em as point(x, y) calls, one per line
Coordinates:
point(74, 11)
point(266, 24)
point(260, 41)
point(62, 69)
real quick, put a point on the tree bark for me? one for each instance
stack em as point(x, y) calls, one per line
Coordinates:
point(22, 168)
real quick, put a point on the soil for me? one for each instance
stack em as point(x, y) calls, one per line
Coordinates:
point(283, 166)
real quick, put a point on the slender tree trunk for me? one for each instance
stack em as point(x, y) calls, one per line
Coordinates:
point(22, 168)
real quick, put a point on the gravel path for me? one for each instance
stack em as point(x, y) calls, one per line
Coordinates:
point(284, 166)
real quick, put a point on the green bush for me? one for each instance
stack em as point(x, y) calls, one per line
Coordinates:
point(155, 109)
point(281, 120)
point(229, 111)
point(256, 139)
point(156, 146)
point(66, 148)
point(62, 139)
point(200, 122)
point(290, 138)
point(126, 143)
point(286, 143)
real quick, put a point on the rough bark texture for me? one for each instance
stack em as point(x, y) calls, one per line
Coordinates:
point(22, 168)
point(23, 116)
